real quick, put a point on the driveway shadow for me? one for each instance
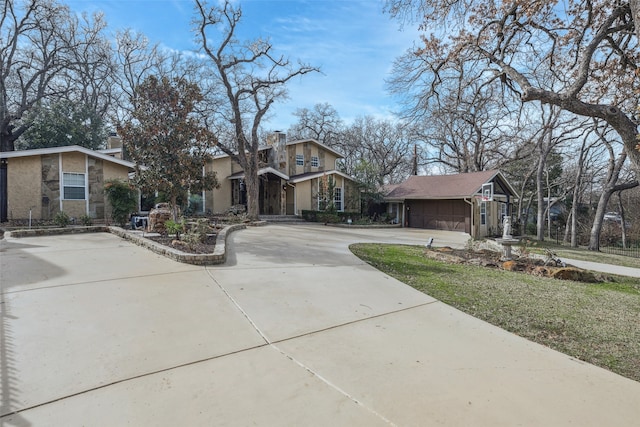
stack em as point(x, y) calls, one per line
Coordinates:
point(18, 267)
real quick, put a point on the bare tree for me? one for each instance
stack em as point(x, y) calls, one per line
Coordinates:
point(250, 78)
point(582, 164)
point(90, 81)
point(378, 149)
point(135, 60)
point(557, 130)
point(323, 124)
point(588, 49)
point(611, 185)
point(41, 45)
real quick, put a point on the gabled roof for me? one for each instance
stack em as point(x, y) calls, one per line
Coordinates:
point(240, 175)
point(311, 175)
point(318, 143)
point(463, 185)
point(65, 149)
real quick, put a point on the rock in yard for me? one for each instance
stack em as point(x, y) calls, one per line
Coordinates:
point(157, 218)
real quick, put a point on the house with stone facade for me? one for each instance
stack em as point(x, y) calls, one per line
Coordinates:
point(294, 176)
point(42, 182)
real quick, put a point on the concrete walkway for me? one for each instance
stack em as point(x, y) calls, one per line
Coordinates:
point(604, 268)
point(293, 331)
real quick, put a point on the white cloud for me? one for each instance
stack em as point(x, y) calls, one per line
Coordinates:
point(352, 41)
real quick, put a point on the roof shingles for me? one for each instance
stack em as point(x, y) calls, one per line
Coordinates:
point(442, 186)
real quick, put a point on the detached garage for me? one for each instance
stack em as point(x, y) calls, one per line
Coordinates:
point(474, 203)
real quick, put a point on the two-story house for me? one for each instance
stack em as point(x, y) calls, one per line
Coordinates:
point(294, 176)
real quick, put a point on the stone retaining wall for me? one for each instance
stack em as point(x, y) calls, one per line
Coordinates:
point(219, 255)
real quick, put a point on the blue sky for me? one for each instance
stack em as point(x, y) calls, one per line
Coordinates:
point(352, 41)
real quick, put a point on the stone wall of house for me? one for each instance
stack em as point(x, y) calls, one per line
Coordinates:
point(322, 165)
point(95, 179)
point(23, 176)
point(50, 185)
point(291, 160)
point(306, 152)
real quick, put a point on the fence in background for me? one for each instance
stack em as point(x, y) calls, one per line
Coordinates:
point(632, 250)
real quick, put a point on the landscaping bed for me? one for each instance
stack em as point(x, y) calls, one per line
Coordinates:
point(550, 266)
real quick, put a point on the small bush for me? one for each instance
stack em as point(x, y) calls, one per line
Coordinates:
point(328, 218)
point(86, 220)
point(61, 219)
point(311, 216)
point(174, 227)
point(201, 229)
point(192, 238)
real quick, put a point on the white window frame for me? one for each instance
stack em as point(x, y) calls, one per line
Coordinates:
point(66, 176)
point(483, 213)
point(337, 199)
point(299, 159)
point(315, 162)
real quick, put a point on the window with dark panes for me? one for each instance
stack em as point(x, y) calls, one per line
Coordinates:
point(73, 186)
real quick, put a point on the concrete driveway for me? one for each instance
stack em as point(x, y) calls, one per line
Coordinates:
point(293, 331)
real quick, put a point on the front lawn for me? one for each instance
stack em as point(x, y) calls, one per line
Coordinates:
point(598, 323)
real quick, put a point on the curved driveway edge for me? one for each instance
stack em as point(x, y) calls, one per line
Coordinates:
point(219, 255)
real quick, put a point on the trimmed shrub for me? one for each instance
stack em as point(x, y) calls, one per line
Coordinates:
point(86, 220)
point(61, 219)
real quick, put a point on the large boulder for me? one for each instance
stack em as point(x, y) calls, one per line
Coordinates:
point(157, 217)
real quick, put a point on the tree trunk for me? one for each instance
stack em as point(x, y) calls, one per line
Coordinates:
point(540, 196)
point(252, 182)
point(574, 217)
point(576, 194)
point(524, 219)
point(596, 228)
point(174, 208)
point(568, 227)
point(615, 166)
point(549, 205)
point(623, 229)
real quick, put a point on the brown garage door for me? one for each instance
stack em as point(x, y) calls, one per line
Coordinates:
point(452, 215)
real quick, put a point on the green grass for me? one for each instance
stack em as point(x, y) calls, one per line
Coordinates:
point(598, 323)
